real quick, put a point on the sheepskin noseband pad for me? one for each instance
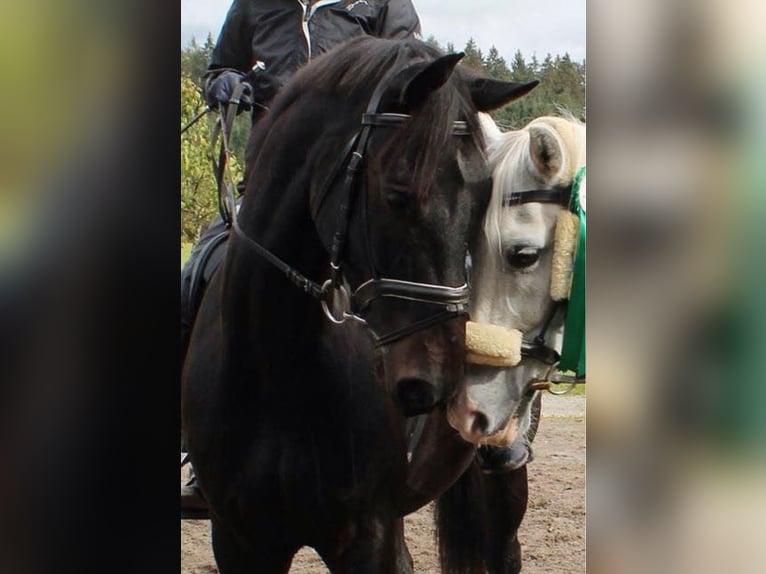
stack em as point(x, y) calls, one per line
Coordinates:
point(492, 345)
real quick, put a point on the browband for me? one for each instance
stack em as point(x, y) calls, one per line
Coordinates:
point(559, 195)
point(388, 120)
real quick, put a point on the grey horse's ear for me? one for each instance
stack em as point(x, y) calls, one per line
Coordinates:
point(546, 151)
point(488, 94)
point(427, 80)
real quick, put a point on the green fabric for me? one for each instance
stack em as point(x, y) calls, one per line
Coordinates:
point(573, 349)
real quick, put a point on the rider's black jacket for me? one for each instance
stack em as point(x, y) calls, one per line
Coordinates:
point(285, 34)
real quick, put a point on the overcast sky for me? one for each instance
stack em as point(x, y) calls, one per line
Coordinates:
point(532, 26)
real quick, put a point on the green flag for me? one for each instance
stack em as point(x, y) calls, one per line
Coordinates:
point(573, 349)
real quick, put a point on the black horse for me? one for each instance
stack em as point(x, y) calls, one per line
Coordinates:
point(369, 176)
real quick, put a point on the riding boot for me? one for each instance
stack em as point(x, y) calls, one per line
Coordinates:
point(192, 481)
point(499, 459)
point(191, 495)
point(192, 499)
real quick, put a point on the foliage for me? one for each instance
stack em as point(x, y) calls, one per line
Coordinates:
point(199, 197)
point(562, 82)
point(185, 252)
point(195, 59)
point(494, 64)
point(562, 87)
point(473, 57)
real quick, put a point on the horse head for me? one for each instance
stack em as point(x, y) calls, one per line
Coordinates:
point(420, 187)
point(533, 170)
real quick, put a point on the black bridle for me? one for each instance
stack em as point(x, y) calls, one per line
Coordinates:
point(333, 292)
point(560, 195)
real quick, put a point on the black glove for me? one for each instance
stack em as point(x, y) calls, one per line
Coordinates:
point(265, 86)
point(219, 89)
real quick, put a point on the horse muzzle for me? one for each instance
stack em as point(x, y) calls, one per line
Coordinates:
point(425, 368)
point(416, 396)
point(476, 427)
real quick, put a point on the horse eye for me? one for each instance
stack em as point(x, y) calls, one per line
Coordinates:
point(522, 257)
point(397, 197)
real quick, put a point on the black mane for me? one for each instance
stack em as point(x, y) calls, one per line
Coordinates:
point(348, 76)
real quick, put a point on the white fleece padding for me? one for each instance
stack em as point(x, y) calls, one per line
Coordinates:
point(564, 244)
point(492, 345)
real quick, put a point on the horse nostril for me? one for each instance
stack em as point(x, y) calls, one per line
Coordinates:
point(415, 396)
point(480, 424)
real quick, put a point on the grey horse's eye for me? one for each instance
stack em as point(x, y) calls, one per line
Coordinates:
point(522, 257)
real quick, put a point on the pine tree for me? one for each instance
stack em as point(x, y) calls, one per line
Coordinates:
point(495, 65)
point(547, 65)
point(195, 59)
point(209, 45)
point(534, 66)
point(473, 57)
point(520, 72)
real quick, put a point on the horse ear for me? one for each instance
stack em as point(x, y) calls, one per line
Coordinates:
point(488, 94)
point(546, 151)
point(432, 77)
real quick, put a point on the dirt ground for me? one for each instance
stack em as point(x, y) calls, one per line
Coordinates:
point(552, 534)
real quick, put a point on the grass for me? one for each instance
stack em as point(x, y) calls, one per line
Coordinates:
point(578, 390)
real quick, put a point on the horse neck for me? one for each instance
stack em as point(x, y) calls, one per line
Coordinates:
point(262, 309)
point(286, 361)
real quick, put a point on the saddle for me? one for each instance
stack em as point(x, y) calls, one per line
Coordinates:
point(205, 258)
point(204, 261)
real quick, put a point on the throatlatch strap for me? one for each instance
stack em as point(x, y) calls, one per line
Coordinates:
point(573, 348)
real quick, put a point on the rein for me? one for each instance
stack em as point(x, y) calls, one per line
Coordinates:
point(196, 118)
point(226, 198)
point(333, 292)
